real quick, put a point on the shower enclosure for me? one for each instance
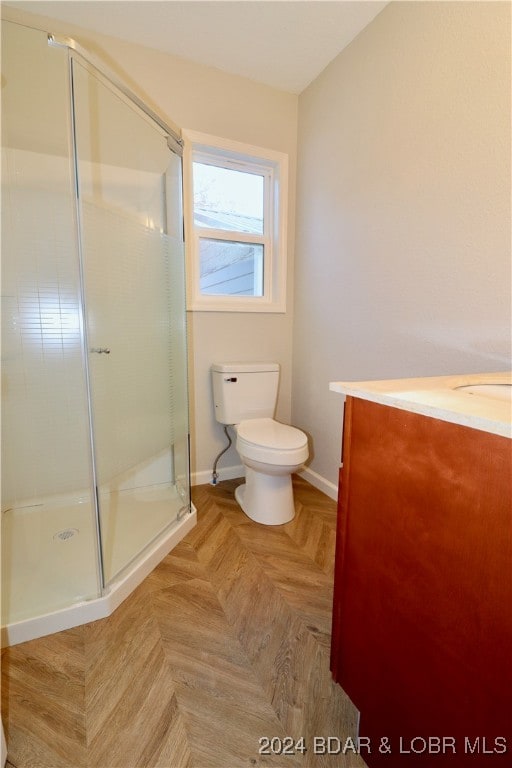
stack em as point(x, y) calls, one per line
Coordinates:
point(95, 438)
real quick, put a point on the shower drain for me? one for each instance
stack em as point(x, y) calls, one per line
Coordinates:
point(66, 534)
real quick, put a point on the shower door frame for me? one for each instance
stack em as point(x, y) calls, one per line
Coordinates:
point(175, 145)
point(174, 141)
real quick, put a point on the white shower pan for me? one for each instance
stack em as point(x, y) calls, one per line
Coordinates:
point(61, 540)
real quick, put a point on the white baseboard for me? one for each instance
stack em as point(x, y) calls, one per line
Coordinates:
point(226, 473)
point(319, 482)
point(230, 473)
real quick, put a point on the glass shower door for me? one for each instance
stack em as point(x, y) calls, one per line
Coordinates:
point(132, 256)
point(49, 556)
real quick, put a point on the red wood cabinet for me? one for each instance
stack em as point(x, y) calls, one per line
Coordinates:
point(422, 620)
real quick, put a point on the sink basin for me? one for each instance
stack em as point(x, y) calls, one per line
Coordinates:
point(494, 391)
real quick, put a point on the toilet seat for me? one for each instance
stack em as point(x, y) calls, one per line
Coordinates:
point(271, 442)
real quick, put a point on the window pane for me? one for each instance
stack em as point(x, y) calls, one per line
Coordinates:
point(230, 269)
point(227, 199)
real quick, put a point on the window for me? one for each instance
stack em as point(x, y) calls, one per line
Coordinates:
point(235, 225)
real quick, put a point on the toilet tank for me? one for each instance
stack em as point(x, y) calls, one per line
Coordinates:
point(244, 391)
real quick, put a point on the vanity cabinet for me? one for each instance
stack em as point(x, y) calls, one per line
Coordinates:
point(422, 619)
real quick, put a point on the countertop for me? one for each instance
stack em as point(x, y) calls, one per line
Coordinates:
point(439, 398)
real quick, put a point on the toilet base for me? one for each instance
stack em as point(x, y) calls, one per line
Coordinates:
point(266, 499)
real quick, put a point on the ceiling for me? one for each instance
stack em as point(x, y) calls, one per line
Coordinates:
point(282, 43)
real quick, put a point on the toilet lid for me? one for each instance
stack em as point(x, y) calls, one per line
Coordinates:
point(268, 433)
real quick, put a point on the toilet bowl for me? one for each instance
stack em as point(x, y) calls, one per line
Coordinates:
point(245, 396)
point(270, 452)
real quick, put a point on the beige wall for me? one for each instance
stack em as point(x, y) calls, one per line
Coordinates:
point(207, 100)
point(403, 209)
point(403, 213)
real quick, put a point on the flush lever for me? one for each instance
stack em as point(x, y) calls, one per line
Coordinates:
point(100, 350)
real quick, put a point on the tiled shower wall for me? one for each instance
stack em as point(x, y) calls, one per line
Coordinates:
point(43, 385)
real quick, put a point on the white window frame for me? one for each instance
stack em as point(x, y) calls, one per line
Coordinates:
point(274, 167)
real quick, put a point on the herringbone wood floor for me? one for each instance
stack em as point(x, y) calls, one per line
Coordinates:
point(226, 642)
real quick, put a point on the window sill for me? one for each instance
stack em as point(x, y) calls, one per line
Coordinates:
point(231, 305)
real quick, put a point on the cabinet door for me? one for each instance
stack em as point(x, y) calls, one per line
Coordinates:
point(422, 622)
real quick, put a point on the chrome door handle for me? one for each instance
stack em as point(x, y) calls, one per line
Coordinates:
point(100, 350)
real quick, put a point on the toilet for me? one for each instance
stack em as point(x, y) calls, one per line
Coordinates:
point(245, 396)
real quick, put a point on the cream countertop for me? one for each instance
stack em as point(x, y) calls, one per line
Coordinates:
point(438, 397)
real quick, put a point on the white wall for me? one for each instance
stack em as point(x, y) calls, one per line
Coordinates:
point(207, 100)
point(403, 215)
point(403, 209)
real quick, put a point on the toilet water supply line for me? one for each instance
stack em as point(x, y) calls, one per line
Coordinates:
point(215, 474)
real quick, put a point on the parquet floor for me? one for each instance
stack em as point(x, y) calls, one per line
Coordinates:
point(226, 642)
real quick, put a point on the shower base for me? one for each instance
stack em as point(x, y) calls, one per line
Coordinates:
point(52, 584)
